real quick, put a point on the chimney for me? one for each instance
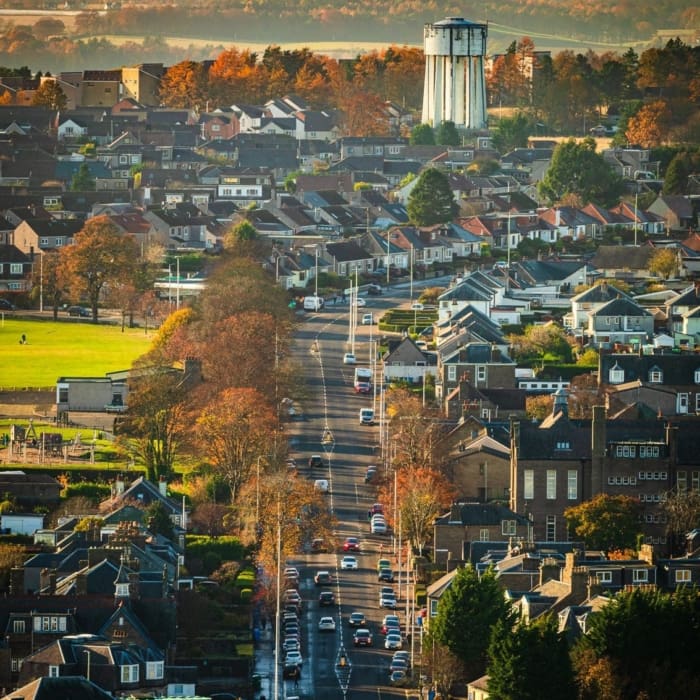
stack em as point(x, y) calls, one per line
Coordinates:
point(17, 581)
point(163, 486)
point(549, 570)
point(646, 553)
point(119, 485)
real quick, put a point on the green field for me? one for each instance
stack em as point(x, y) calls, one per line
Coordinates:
point(55, 349)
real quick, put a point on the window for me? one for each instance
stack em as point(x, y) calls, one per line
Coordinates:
point(647, 451)
point(682, 403)
point(508, 527)
point(695, 481)
point(130, 673)
point(551, 528)
point(451, 373)
point(154, 670)
point(43, 242)
point(528, 484)
point(16, 665)
point(640, 575)
point(18, 626)
point(696, 376)
point(682, 576)
point(551, 484)
point(49, 623)
point(433, 607)
point(484, 534)
point(216, 127)
point(572, 485)
point(480, 373)
point(656, 376)
point(53, 672)
point(122, 590)
point(616, 375)
point(626, 451)
point(603, 576)
point(63, 394)
point(564, 445)
point(15, 268)
point(682, 481)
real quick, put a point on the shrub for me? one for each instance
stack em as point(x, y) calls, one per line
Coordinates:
point(246, 595)
point(245, 578)
point(87, 489)
point(211, 562)
point(228, 548)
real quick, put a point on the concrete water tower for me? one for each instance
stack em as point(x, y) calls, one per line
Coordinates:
point(455, 88)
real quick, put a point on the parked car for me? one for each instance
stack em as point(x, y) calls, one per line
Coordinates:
point(293, 657)
point(322, 485)
point(362, 637)
point(81, 311)
point(360, 302)
point(374, 289)
point(349, 563)
point(6, 305)
point(290, 672)
point(326, 624)
point(417, 306)
point(315, 461)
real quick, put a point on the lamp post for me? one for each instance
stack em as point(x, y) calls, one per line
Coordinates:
point(177, 282)
point(277, 606)
point(41, 282)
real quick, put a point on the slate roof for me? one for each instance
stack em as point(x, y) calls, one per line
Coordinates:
point(599, 294)
point(61, 688)
point(347, 251)
point(467, 290)
point(479, 514)
point(622, 257)
point(623, 306)
point(544, 271)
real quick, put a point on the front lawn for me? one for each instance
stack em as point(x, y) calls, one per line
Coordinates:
point(61, 349)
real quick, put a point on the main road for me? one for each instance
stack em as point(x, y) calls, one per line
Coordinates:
point(333, 667)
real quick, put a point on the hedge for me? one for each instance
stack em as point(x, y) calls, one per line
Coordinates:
point(87, 489)
point(227, 548)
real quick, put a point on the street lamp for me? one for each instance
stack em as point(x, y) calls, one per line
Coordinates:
point(177, 282)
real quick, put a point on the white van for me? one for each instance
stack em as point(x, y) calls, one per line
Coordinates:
point(313, 303)
point(366, 416)
point(321, 485)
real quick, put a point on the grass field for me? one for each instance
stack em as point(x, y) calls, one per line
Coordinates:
point(64, 349)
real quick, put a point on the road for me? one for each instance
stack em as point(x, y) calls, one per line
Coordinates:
point(363, 673)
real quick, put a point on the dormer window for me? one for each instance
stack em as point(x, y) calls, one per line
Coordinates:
point(616, 375)
point(696, 376)
point(122, 590)
point(656, 376)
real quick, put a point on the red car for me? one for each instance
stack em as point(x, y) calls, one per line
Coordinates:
point(351, 544)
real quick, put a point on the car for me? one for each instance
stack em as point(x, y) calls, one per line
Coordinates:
point(349, 359)
point(366, 416)
point(389, 618)
point(326, 624)
point(6, 305)
point(323, 578)
point(406, 655)
point(398, 678)
point(385, 575)
point(291, 572)
point(291, 595)
point(392, 628)
point(387, 601)
point(318, 544)
point(81, 311)
point(322, 486)
point(383, 564)
point(349, 563)
point(386, 589)
point(357, 619)
point(370, 475)
point(290, 618)
point(351, 544)
point(290, 644)
point(367, 320)
point(291, 465)
point(417, 306)
point(360, 302)
point(398, 664)
point(393, 641)
point(315, 461)
point(362, 637)
point(377, 508)
point(326, 598)
point(374, 289)
point(290, 672)
point(293, 657)
point(378, 527)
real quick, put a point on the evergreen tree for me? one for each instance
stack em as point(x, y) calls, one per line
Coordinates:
point(431, 201)
point(512, 132)
point(50, 94)
point(525, 659)
point(158, 521)
point(467, 612)
point(422, 135)
point(676, 180)
point(83, 181)
point(447, 134)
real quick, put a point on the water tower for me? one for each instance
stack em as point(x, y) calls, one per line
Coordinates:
point(455, 89)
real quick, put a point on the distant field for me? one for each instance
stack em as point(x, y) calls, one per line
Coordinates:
point(64, 349)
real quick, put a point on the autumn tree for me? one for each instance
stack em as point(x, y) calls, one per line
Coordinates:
point(99, 255)
point(605, 522)
point(467, 611)
point(184, 85)
point(664, 262)
point(233, 431)
point(53, 280)
point(431, 201)
point(649, 126)
point(50, 94)
point(236, 76)
point(47, 27)
point(576, 168)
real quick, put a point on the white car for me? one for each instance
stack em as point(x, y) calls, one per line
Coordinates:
point(293, 658)
point(393, 641)
point(360, 302)
point(349, 359)
point(321, 485)
point(348, 563)
point(326, 624)
point(417, 306)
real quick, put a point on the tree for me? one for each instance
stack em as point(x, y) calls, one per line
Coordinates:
point(605, 522)
point(54, 280)
point(233, 430)
point(11, 555)
point(546, 342)
point(677, 173)
point(158, 520)
point(447, 134)
point(663, 262)
point(184, 85)
point(50, 94)
point(649, 127)
point(682, 511)
point(47, 27)
point(99, 255)
point(576, 168)
point(512, 132)
point(422, 135)
point(431, 200)
point(467, 611)
point(527, 658)
point(83, 181)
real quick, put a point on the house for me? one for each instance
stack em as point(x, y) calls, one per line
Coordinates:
point(16, 267)
point(34, 235)
point(628, 263)
point(676, 211)
point(184, 226)
point(61, 688)
point(478, 689)
point(588, 301)
point(468, 522)
point(426, 248)
point(619, 321)
point(407, 362)
point(348, 257)
point(30, 489)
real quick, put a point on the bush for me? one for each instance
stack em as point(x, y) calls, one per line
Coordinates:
point(246, 595)
point(245, 578)
point(227, 548)
point(87, 489)
point(211, 562)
